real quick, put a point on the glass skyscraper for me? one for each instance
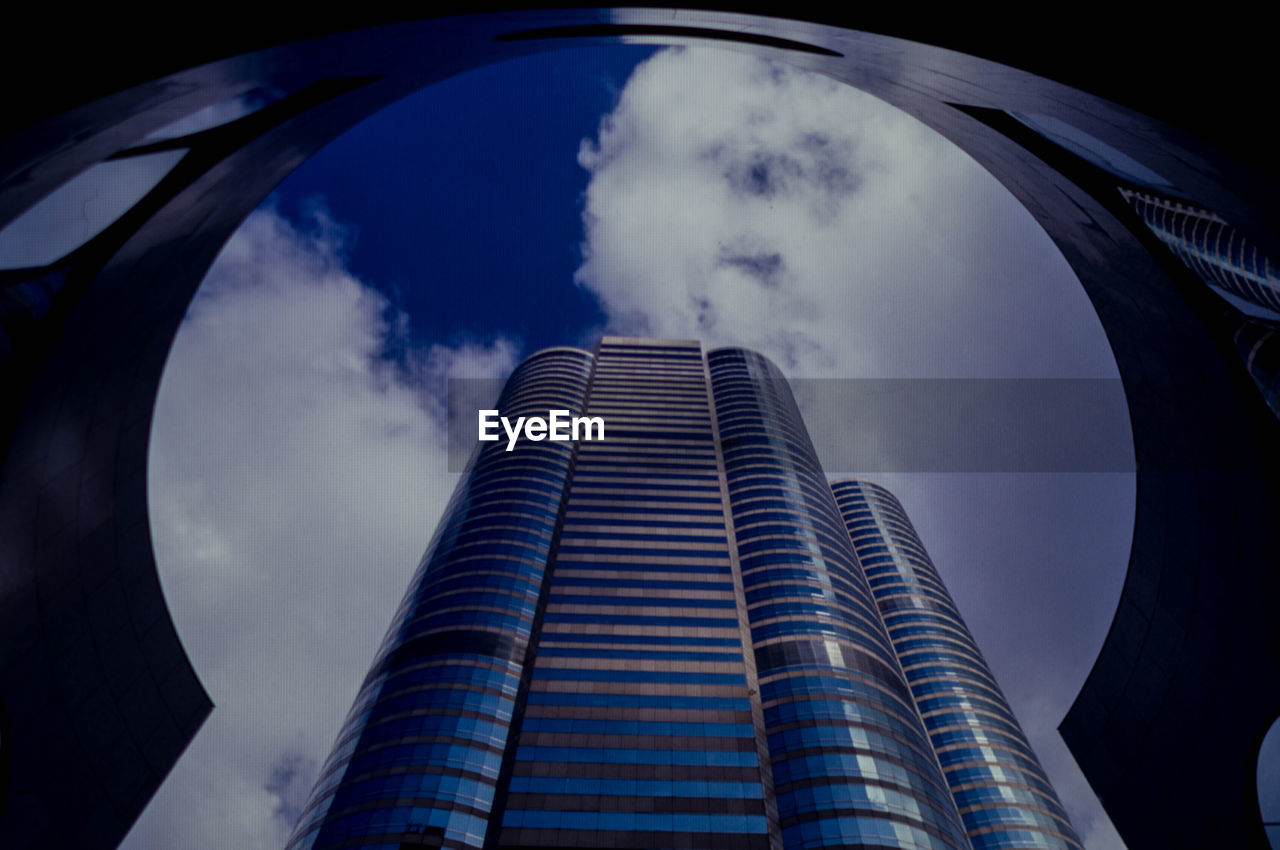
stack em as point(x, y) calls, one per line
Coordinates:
point(997, 782)
point(1218, 253)
point(677, 636)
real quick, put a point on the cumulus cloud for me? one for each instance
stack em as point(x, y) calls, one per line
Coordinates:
point(297, 471)
point(743, 202)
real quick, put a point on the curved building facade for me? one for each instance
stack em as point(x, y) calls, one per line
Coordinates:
point(421, 750)
point(1000, 789)
point(852, 764)
point(663, 638)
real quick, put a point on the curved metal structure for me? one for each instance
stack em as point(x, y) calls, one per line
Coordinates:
point(97, 697)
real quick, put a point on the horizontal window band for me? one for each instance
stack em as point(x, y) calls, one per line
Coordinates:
point(647, 572)
point(634, 788)
point(552, 638)
point(639, 600)
point(675, 743)
point(632, 620)
point(605, 821)
point(658, 728)
point(637, 654)
point(641, 584)
point(705, 758)
point(573, 692)
point(647, 700)
point(623, 713)
point(656, 676)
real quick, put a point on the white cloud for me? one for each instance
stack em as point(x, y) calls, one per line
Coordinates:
point(296, 474)
point(745, 202)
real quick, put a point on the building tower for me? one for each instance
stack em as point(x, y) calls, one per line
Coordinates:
point(665, 638)
point(1000, 789)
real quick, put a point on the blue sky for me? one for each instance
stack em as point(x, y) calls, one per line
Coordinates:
point(474, 180)
point(298, 468)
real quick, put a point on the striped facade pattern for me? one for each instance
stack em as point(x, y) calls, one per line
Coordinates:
point(1213, 249)
point(419, 756)
point(638, 729)
point(852, 764)
point(1000, 789)
point(669, 639)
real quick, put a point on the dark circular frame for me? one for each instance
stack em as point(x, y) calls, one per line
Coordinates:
point(98, 694)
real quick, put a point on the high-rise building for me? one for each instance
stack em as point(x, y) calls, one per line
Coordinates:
point(998, 785)
point(676, 636)
point(1217, 252)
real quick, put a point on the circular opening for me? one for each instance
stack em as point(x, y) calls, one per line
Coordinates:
point(747, 186)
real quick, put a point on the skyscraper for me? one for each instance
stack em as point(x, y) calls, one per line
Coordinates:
point(1217, 252)
point(998, 785)
point(673, 637)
